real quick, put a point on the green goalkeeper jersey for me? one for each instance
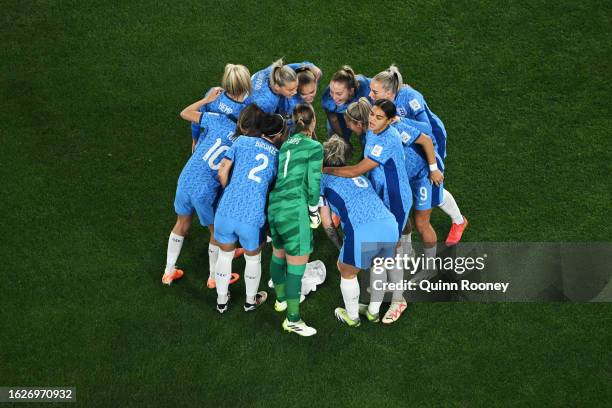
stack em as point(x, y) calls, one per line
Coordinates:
point(299, 175)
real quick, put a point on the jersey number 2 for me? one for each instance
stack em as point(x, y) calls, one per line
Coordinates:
point(259, 168)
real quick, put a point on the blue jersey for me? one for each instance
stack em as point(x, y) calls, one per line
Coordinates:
point(330, 106)
point(200, 173)
point(255, 162)
point(286, 105)
point(225, 105)
point(411, 104)
point(354, 200)
point(389, 178)
point(263, 95)
point(416, 161)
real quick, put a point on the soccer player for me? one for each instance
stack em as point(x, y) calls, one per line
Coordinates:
point(308, 81)
point(385, 162)
point(241, 213)
point(370, 230)
point(292, 212)
point(424, 167)
point(236, 85)
point(276, 81)
point(344, 88)
point(198, 187)
point(411, 104)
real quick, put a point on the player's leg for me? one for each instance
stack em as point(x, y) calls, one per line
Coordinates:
point(387, 233)
point(278, 273)
point(396, 274)
point(349, 287)
point(426, 196)
point(205, 209)
point(175, 244)
point(224, 234)
point(252, 240)
point(459, 222)
point(213, 256)
point(184, 210)
point(378, 284)
point(296, 265)
point(405, 243)
point(297, 237)
point(278, 267)
point(429, 238)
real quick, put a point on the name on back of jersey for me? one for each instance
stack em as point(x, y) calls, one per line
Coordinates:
point(259, 81)
point(266, 146)
point(225, 109)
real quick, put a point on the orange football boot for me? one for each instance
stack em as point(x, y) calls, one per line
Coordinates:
point(211, 284)
point(167, 279)
point(455, 233)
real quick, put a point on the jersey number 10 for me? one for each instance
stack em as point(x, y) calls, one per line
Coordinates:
point(213, 154)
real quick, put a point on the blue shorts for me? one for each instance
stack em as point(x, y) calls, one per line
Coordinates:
point(368, 241)
point(230, 231)
point(185, 202)
point(425, 194)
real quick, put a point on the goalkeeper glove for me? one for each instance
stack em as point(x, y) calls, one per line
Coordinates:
point(313, 214)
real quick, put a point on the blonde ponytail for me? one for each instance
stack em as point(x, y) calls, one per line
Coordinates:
point(390, 79)
point(281, 74)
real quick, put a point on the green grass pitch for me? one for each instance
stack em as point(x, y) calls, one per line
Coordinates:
point(92, 145)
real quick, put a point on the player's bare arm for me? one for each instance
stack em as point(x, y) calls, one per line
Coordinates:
point(328, 226)
point(192, 112)
point(425, 142)
point(224, 171)
point(358, 169)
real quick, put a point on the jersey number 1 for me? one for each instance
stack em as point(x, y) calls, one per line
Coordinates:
point(286, 163)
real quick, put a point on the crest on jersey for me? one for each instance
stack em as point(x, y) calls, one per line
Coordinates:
point(405, 137)
point(414, 104)
point(377, 150)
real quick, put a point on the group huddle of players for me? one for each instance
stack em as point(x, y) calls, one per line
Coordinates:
point(257, 170)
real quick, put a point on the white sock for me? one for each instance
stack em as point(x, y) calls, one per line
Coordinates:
point(252, 276)
point(374, 307)
point(396, 275)
point(175, 243)
point(350, 294)
point(377, 295)
point(449, 206)
point(213, 254)
point(223, 274)
point(430, 254)
point(406, 245)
